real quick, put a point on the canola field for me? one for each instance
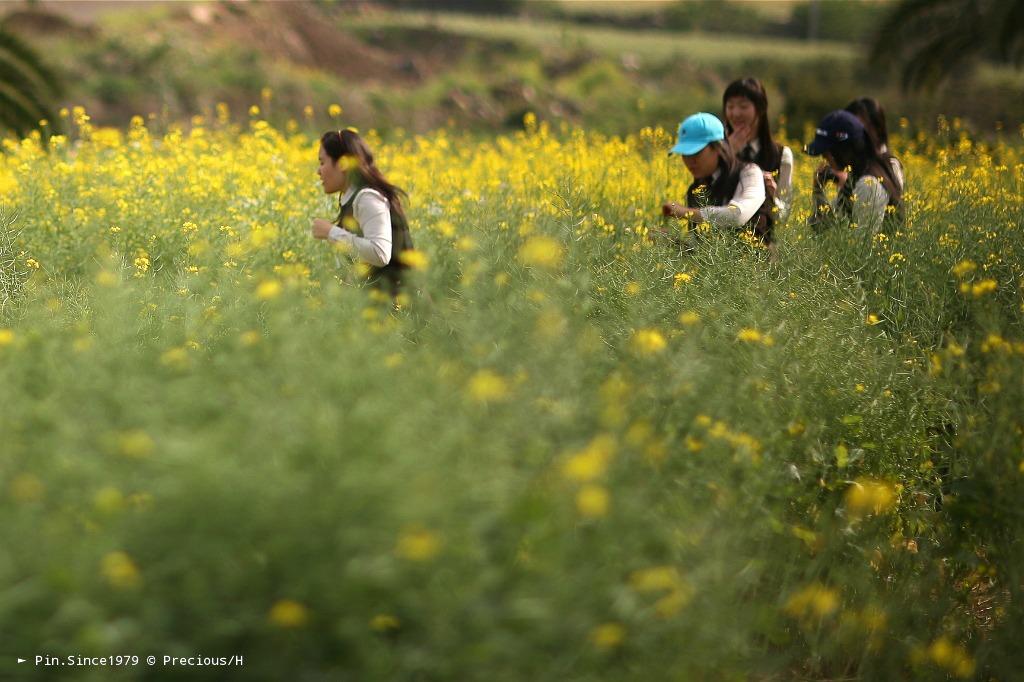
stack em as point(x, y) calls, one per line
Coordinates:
point(569, 452)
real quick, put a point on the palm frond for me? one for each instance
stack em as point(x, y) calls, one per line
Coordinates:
point(27, 85)
point(929, 39)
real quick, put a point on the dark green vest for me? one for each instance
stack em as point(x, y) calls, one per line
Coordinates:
point(389, 277)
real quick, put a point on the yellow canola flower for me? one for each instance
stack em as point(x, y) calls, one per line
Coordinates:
point(384, 622)
point(417, 260)
point(964, 268)
point(176, 358)
point(866, 496)
point(120, 571)
point(952, 657)
point(135, 444)
point(676, 592)
point(655, 579)
point(250, 337)
point(689, 318)
point(108, 500)
point(106, 278)
point(418, 544)
point(486, 386)
point(541, 251)
point(815, 600)
point(748, 335)
point(608, 635)
point(6, 337)
point(593, 501)
point(648, 342)
point(268, 289)
point(985, 286)
point(287, 613)
point(592, 461)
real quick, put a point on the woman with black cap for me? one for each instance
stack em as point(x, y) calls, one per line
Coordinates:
point(870, 112)
point(868, 189)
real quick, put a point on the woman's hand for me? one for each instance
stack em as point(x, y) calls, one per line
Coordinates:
point(740, 137)
point(322, 228)
point(823, 174)
point(769, 184)
point(674, 210)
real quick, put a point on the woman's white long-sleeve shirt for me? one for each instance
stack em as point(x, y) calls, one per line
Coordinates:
point(784, 180)
point(372, 213)
point(784, 183)
point(747, 198)
point(870, 199)
point(869, 202)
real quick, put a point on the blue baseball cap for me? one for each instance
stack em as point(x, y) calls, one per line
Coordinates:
point(836, 128)
point(696, 132)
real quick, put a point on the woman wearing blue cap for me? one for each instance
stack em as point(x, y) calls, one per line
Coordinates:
point(867, 184)
point(726, 192)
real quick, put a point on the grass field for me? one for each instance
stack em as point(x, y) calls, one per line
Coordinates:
point(570, 452)
point(774, 9)
point(695, 47)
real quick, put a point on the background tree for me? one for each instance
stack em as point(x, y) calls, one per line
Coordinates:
point(930, 38)
point(27, 86)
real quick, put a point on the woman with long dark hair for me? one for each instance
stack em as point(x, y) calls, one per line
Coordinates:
point(745, 107)
point(726, 191)
point(371, 220)
point(870, 112)
point(868, 188)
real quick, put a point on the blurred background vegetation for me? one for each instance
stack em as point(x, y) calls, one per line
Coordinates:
point(482, 64)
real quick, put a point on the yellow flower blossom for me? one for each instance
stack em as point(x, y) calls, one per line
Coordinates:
point(268, 289)
point(384, 622)
point(418, 544)
point(689, 318)
point(135, 444)
point(648, 342)
point(593, 501)
point(814, 600)
point(288, 614)
point(749, 335)
point(417, 260)
point(866, 496)
point(964, 268)
point(120, 571)
point(541, 251)
point(608, 635)
point(592, 461)
point(108, 500)
point(486, 386)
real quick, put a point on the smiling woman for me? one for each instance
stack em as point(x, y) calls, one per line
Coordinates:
point(745, 105)
point(371, 220)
